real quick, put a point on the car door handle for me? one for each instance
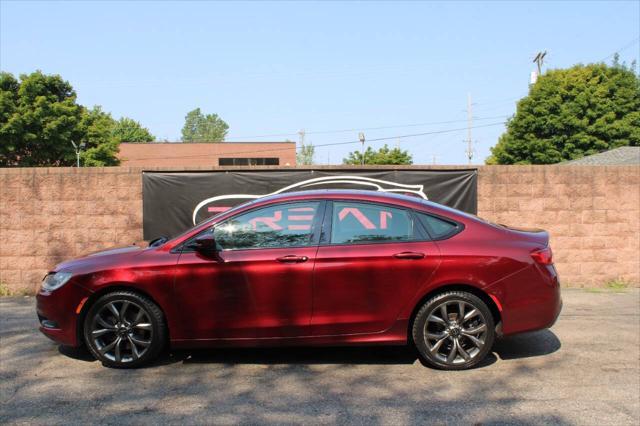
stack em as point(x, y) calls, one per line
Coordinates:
point(409, 255)
point(292, 259)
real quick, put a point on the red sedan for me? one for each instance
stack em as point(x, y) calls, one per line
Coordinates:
point(310, 268)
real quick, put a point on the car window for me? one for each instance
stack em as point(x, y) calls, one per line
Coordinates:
point(363, 223)
point(284, 225)
point(437, 228)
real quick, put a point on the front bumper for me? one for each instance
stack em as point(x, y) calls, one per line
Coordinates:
point(58, 313)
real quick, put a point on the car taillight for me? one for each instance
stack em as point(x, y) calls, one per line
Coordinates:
point(543, 256)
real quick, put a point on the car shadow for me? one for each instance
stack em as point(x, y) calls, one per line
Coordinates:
point(521, 346)
point(297, 355)
point(535, 343)
point(81, 353)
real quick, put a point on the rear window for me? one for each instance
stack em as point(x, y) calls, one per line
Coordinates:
point(437, 228)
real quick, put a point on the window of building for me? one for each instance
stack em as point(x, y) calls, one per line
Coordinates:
point(265, 161)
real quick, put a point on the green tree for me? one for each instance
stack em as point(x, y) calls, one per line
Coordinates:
point(101, 147)
point(39, 117)
point(384, 155)
point(305, 155)
point(128, 130)
point(199, 127)
point(103, 136)
point(571, 113)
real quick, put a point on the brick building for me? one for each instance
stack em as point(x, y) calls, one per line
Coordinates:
point(180, 154)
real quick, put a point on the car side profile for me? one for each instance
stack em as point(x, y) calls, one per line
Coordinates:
point(331, 267)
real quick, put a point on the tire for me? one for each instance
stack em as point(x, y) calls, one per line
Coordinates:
point(451, 343)
point(124, 329)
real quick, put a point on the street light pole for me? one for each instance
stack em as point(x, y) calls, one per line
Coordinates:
point(78, 150)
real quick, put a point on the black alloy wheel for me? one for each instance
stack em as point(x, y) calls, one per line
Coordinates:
point(454, 330)
point(124, 330)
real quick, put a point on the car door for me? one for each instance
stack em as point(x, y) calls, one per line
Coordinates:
point(370, 262)
point(261, 286)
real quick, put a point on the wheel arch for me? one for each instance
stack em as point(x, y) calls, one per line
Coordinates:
point(118, 286)
point(491, 304)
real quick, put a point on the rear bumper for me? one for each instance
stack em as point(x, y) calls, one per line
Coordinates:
point(57, 313)
point(530, 299)
point(556, 315)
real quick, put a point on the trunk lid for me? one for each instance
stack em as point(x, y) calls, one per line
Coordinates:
point(536, 235)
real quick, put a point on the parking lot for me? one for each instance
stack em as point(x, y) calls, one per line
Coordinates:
point(585, 370)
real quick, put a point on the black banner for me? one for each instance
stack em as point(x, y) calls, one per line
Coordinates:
point(175, 201)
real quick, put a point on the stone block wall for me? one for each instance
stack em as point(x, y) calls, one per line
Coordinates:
point(591, 212)
point(48, 215)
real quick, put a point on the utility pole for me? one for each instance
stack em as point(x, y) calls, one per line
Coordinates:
point(361, 137)
point(78, 151)
point(434, 159)
point(469, 141)
point(539, 60)
point(301, 155)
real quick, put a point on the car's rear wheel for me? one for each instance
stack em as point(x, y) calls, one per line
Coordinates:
point(454, 330)
point(124, 330)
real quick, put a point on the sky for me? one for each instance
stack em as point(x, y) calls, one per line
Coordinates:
point(334, 69)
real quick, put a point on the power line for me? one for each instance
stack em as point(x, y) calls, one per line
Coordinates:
point(500, 101)
point(626, 46)
point(412, 135)
point(437, 132)
point(398, 126)
point(495, 107)
point(408, 125)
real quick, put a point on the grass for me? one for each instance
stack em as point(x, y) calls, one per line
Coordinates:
point(6, 291)
point(617, 285)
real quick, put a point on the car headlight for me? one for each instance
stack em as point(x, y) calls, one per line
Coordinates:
point(55, 280)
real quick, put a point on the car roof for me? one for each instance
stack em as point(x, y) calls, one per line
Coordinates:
point(409, 201)
point(355, 194)
point(340, 193)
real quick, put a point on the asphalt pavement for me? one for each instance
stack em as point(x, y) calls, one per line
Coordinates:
point(585, 370)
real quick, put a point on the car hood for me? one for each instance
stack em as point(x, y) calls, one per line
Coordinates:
point(99, 259)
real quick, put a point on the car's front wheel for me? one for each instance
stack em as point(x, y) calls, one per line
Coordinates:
point(124, 330)
point(454, 330)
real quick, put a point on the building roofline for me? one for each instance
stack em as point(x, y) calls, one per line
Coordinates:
point(204, 143)
point(623, 155)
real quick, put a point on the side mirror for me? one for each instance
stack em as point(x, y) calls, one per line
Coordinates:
point(158, 241)
point(206, 246)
